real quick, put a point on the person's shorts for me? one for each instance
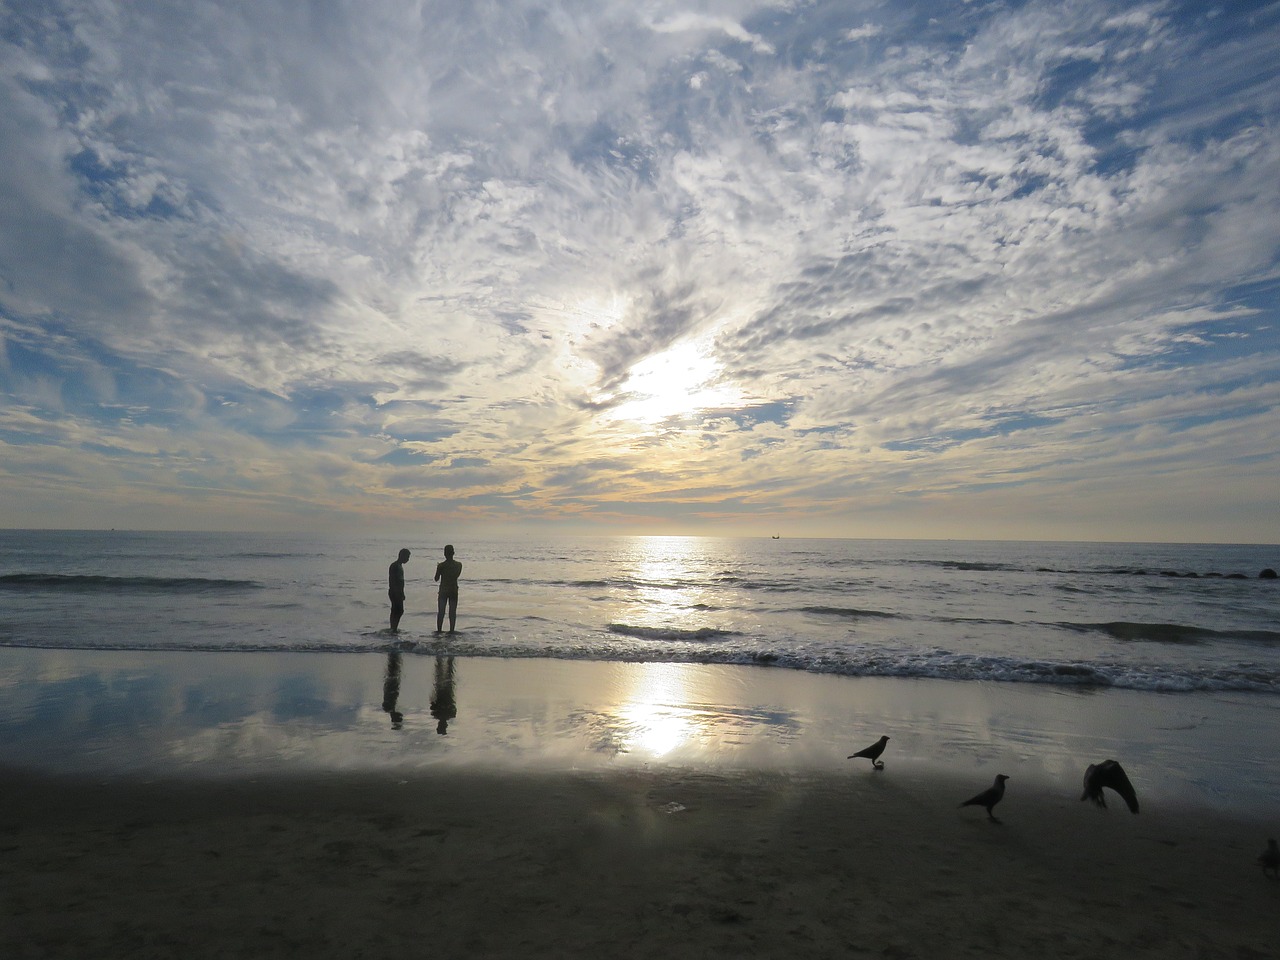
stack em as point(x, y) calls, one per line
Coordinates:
point(397, 604)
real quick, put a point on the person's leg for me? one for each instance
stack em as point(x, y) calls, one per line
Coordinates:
point(397, 611)
point(453, 610)
point(440, 613)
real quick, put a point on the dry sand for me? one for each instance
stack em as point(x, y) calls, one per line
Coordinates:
point(615, 863)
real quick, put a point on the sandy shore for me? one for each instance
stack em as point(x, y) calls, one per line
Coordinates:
point(664, 863)
point(375, 805)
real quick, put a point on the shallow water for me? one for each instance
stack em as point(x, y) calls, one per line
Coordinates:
point(1134, 616)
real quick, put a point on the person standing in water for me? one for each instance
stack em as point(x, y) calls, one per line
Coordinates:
point(447, 572)
point(395, 588)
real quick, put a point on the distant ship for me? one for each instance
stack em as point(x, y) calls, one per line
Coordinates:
point(776, 537)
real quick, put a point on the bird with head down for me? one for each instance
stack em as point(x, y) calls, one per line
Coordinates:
point(1108, 773)
point(872, 753)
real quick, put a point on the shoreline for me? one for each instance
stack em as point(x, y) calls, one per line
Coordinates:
point(209, 715)
point(201, 713)
point(271, 805)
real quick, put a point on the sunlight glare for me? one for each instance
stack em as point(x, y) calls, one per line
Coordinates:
point(657, 713)
point(677, 381)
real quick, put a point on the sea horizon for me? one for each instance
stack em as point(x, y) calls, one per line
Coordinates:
point(522, 534)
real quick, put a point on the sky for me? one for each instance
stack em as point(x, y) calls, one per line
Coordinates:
point(1004, 270)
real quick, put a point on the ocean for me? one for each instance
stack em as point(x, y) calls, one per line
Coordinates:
point(1152, 617)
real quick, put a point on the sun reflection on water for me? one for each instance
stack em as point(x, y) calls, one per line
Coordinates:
point(672, 599)
point(674, 585)
point(656, 713)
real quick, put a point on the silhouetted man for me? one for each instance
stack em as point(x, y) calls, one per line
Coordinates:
point(395, 588)
point(447, 572)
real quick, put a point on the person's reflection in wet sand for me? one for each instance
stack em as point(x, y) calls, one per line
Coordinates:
point(443, 705)
point(391, 690)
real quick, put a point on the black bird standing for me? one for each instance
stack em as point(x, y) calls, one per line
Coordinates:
point(872, 753)
point(989, 797)
point(1108, 773)
point(1269, 860)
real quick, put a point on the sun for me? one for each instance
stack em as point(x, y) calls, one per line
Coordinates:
point(679, 381)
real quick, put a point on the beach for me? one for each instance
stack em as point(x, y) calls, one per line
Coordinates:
point(631, 863)
point(269, 805)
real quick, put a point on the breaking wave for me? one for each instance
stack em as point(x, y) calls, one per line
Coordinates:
point(60, 582)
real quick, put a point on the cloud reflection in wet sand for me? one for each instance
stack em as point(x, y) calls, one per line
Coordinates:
point(157, 714)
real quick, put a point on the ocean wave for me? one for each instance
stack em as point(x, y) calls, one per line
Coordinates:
point(667, 645)
point(1161, 679)
point(1141, 572)
point(981, 566)
point(853, 613)
point(80, 583)
point(270, 555)
point(622, 583)
point(1174, 633)
point(668, 633)
point(938, 665)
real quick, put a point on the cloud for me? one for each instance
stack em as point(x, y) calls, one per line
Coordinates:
point(411, 257)
point(864, 32)
point(685, 21)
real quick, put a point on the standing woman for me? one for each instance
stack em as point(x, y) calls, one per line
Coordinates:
point(447, 572)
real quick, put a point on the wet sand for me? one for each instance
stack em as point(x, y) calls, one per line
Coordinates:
point(262, 806)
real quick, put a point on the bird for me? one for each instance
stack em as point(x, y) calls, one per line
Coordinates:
point(989, 797)
point(1108, 773)
point(1269, 860)
point(872, 753)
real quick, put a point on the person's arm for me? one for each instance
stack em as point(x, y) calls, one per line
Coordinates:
point(437, 576)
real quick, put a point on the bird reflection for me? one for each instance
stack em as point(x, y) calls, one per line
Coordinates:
point(391, 690)
point(1269, 860)
point(443, 705)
